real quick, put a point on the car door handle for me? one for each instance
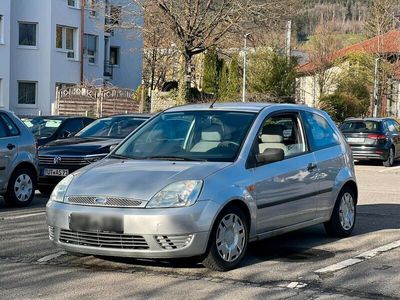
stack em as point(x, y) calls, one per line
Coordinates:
point(311, 167)
point(10, 146)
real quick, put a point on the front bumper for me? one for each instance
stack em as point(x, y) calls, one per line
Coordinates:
point(148, 233)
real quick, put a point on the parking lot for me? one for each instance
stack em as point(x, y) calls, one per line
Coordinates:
point(302, 264)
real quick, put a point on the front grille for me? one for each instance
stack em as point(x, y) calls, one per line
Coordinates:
point(63, 160)
point(104, 201)
point(51, 233)
point(172, 242)
point(103, 240)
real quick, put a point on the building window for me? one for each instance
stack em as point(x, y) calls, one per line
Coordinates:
point(114, 56)
point(1, 29)
point(115, 14)
point(65, 40)
point(27, 34)
point(92, 7)
point(27, 92)
point(73, 3)
point(91, 47)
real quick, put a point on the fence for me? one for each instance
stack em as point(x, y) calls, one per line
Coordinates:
point(95, 101)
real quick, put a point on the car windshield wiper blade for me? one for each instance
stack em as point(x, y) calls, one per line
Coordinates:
point(118, 156)
point(177, 158)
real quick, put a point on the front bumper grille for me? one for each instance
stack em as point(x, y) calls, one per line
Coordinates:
point(104, 201)
point(63, 160)
point(173, 241)
point(103, 240)
point(51, 233)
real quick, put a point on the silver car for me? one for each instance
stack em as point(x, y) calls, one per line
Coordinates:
point(18, 161)
point(203, 181)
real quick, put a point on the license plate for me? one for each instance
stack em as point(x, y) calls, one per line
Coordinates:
point(355, 140)
point(56, 172)
point(90, 223)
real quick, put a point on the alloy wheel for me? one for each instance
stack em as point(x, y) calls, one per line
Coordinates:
point(231, 237)
point(23, 187)
point(346, 211)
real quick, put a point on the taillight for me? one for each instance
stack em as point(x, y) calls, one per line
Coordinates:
point(377, 136)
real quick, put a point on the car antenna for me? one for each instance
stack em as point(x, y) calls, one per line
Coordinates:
point(212, 104)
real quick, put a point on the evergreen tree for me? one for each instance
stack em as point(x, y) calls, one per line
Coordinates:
point(211, 70)
point(235, 80)
point(224, 82)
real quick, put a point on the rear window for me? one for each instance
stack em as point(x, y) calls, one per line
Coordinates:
point(361, 127)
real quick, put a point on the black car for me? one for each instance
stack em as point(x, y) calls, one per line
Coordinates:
point(59, 158)
point(51, 128)
point(373, 139)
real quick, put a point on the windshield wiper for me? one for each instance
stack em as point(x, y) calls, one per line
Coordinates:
point(174, 158)
point(118, 156)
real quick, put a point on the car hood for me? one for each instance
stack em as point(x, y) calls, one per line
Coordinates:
point(137, 179)
point(78, 146)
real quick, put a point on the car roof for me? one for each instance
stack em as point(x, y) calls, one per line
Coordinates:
point(368, 119)
point(143, 116)
point(231, 106)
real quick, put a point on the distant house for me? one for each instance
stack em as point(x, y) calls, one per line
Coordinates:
point(387, 46)
point(40, 49)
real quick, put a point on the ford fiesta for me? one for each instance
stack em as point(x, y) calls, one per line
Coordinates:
point(203, 181)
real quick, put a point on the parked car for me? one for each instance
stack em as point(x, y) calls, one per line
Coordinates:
point(59, 158)
point(18, 161)
point(373, 139)
point(51, 128)
point(204, 181)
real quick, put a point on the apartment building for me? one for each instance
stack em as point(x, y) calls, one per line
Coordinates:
point(41, 43)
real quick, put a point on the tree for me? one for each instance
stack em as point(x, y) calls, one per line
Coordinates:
point(223, 82)
point(273, 74)
point(352, 96)
point(380, 18)
point(322, 54)
point(201, 24)
point(235, 79)
point(211, 73)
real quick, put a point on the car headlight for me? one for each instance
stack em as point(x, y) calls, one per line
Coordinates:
point(178, 194)
point(61, 189)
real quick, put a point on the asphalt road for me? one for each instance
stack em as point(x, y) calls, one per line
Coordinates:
point(300, 265)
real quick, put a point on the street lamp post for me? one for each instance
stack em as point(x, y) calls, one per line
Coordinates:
point(375, 104)
point(244, 67)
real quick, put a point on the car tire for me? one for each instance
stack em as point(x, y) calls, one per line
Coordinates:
point(218, 256)
point(21, 188)
point(390, 160)
point(46, 190)
point(344, 213)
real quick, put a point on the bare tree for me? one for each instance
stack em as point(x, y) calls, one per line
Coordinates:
point(201, 24)
point(322, 56)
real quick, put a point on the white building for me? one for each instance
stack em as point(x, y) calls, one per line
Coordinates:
point(40, 49)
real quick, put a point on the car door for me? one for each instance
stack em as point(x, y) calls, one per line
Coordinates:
point(324, 141)
point(284, 190)
point(8, 147)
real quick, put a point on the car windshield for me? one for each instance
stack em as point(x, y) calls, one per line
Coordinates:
point(113, 127)
point(358, 126)
point(42, 127)
point(191, 136)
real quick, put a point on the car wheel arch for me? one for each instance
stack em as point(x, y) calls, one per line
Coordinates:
point(26, 165)
point(353, 186)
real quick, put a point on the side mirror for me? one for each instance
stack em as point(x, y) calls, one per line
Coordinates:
point(270, 156)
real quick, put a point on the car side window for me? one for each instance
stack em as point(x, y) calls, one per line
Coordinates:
point(320, 134)
point(283, 131)
point(7, 127)
point(393, 126)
